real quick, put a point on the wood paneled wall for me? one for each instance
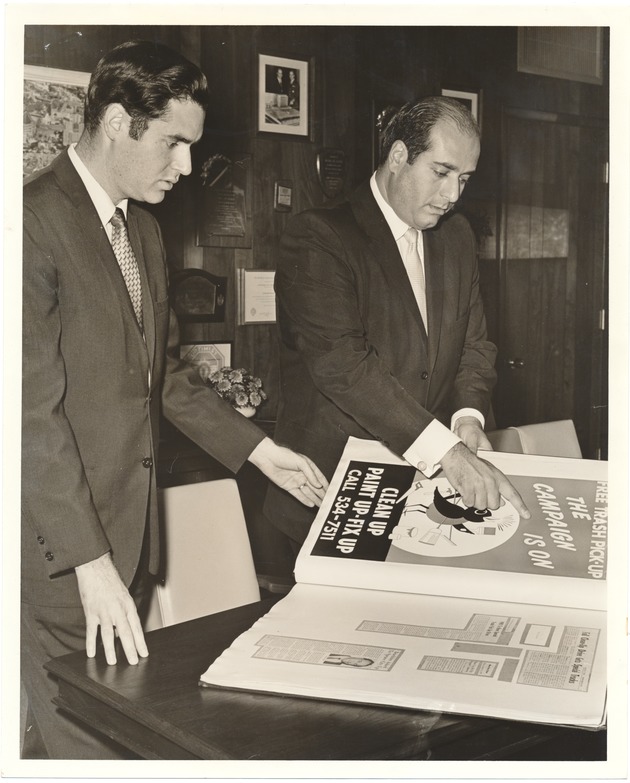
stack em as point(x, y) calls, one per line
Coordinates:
point(80, 47)
point(353, 68)
point(229, 56)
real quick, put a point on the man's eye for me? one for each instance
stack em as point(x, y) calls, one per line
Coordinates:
point(439, 173)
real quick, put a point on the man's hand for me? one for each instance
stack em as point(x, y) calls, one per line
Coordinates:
point(469, 429)
point(478, 482)
point(291, 471)
point(107, 603)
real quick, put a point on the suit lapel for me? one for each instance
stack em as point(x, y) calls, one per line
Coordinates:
point(434, 274)
point(147, 298)
point(88, 220)
point(385, 251)
point(95, 237)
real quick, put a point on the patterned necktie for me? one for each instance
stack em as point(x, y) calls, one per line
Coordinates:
point(127, 261)
point(415, 271)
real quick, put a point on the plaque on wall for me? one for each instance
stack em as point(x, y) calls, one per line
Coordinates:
point(331, 171)
point(198, 296)
point(283, 195)
point(225, 202)
point(207, 357)
point(256, 296)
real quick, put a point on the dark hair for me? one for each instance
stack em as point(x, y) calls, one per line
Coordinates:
point(143, 77)
point(413, 123)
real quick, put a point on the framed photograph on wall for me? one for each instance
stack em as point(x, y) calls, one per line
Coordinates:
point(471, 100)
point(284, 95)
point(53, 113)
point(207, 357)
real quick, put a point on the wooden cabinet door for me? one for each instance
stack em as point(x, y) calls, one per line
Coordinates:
point(551, 361)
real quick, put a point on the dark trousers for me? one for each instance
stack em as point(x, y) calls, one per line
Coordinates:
point(47, 632)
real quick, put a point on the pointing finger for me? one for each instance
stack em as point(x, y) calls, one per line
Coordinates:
point(511, 494)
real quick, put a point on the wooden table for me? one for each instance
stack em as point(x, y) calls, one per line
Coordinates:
point(158, 710)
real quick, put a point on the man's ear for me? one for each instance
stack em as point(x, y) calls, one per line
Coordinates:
point(115, 121)
point(398, 155)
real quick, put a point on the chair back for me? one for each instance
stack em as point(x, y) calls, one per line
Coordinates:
point(551, 438)
point(209, 563)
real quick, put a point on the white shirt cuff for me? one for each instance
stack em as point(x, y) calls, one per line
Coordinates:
point(467, 412)
point(426, 452)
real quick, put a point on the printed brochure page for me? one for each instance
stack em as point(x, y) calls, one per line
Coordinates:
point(383, 525)
point(505, 660)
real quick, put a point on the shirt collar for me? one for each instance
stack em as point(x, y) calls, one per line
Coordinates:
point(105, 207)
point(397, 226)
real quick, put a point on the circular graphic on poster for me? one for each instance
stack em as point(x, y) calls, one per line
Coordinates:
point(436, 523)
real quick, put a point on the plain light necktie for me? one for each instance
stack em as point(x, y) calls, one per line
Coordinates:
point(127, 261)
point(415, 271)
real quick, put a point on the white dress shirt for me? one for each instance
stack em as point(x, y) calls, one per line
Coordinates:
point(105, 207)
point(426, 452)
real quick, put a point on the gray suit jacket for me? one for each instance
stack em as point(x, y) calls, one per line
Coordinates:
point(90, 414)
point(354, 355)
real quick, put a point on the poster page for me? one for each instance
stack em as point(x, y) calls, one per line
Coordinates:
point(383, 525)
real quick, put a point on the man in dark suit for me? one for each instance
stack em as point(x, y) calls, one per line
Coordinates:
point(381, 324)
point(275, 80)
point(99, 363)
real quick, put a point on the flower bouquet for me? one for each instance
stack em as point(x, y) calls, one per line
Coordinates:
point(241, 389)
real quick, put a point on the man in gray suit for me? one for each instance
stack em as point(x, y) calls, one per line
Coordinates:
point(381, 323)
point(99, 364)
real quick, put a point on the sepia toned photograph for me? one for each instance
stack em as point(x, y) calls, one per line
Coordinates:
point(315, 427)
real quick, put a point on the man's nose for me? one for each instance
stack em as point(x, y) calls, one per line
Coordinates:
point(451, 189)
point(182, 161)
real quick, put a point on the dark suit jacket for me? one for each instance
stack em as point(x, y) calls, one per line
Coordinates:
point(90, 413)
point(354, 354)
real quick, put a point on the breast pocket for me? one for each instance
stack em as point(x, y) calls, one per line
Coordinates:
point(161, 310)
point(453, 333)
point(458, 324)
